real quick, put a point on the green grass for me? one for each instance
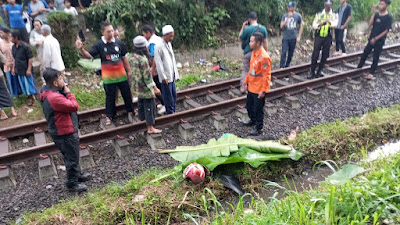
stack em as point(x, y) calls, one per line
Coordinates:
point(176, 200)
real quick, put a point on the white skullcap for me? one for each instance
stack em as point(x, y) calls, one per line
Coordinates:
point(167, 29)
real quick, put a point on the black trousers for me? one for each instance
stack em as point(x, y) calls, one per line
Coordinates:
point(339, 36)
point(69, 147)
point(377, 52)
point(158, 84)
point(111, 90)
point(323, 43)
point(255, 109)
point(147, 110)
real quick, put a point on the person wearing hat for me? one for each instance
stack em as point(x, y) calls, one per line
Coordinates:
point(290, 23)
point(112, 53)
point(145, 88)
point(249, 27)
point(323, 24)
point(51, 51)
point(168, 73)
point(381, 23)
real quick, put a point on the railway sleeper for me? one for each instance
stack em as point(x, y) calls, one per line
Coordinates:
point(314, 94)
point(155, 141)
point(270, 109)
point(7, 179)
point(121, 145)
point(294, 102)
point(186, 131)
point(234, 93)
point(219, 122)
point(354, 85)
point(85, 159)
point(334, 90)
point(47, 168)
point(190, 104)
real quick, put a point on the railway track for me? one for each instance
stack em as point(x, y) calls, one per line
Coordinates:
point(24, 129)
point(284, 91)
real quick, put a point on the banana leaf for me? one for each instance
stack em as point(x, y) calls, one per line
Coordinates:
point(342, 176)
point(90, 64)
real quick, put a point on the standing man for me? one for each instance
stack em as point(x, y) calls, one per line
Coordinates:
point(258, 81)
point(381, 23)
point(37, 10)
point(290, 22)
point(250, 26)
point(60, 109)
point(344, 18)
point(112, 53)
point(14, 14)
point(51, 51)
point(149, 33)
point(166, 67)
point(2, 14)
point(144, 84)
point(23, 58)
point(323, 22)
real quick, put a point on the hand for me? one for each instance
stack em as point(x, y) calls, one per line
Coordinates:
point(165, 81)
point(373, 41)
point(244, 84)
point(298, 39)
point(261, 94)
point(78, 44)
point(373, 8)
point(290, 14)
point(321, 24)
point(157, 91)
point(342, 27)
point(28, 72)
point(66, 89)
point(245, 23)
point(39, 43)
point(12, 71)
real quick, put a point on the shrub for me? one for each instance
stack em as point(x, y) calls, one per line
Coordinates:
point(65, 29)
point(194, 24)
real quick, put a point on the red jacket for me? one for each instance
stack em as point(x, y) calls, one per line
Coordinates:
point(60, 111)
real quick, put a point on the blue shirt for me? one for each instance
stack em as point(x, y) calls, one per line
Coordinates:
point(15, 16)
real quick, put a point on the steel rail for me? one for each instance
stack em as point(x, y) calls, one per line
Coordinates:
point(24, 129)
point(101, 136)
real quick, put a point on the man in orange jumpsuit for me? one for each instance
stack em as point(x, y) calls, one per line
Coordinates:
point(258, 81)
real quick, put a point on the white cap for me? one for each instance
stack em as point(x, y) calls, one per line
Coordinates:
point(167, 29)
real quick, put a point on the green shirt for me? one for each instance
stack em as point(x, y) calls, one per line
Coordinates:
point(248, 32)
point(142, 80)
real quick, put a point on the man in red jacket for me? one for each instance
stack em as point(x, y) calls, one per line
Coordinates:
point(60, 109)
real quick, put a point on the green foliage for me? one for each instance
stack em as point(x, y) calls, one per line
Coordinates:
point(194, 24)
point(65, 29)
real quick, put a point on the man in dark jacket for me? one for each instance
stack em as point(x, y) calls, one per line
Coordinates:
point(60, 109)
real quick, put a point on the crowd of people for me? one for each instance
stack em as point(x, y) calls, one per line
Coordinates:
point(150, 72)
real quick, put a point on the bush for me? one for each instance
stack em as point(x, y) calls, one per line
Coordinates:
point(64, 28)
point(194, 24)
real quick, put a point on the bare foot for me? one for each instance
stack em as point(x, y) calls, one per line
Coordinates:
point(154, 131)
point(369, 76)
point(108, 121)
point(3, 115)
point(13, 112)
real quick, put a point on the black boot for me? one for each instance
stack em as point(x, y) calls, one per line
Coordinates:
point(311, 75)
point(84, 177)
point(248, 123)
point(77, 188)
point(320, 74)
point(255, 132)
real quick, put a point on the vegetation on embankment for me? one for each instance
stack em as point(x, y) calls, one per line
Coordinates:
point(175, 200)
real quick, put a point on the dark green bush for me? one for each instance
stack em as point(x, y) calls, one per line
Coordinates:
point(194, 24)
point(64, 28)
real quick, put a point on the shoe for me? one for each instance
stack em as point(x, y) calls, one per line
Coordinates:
point(161, 111)
point(77, 188)
point(311, 76)
point(84, 177)
point(255, 132)
point(320, 74)
point(248, 123)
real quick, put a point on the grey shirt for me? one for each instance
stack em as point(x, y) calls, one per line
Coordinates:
point(35, 7)
point(59, 4)
point(292, 26)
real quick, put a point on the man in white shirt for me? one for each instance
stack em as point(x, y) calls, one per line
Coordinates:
point(51, 51)
point(166, 67)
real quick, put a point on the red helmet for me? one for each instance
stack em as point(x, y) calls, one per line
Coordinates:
point(196, 172)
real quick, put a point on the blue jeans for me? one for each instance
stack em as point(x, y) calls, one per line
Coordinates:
point(288, 46)
point(168, 92)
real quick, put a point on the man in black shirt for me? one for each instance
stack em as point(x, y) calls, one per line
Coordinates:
point(382, 24)
point(344, 13)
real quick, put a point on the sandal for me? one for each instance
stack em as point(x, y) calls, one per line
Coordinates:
point(155, 131)
point(108, 121)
